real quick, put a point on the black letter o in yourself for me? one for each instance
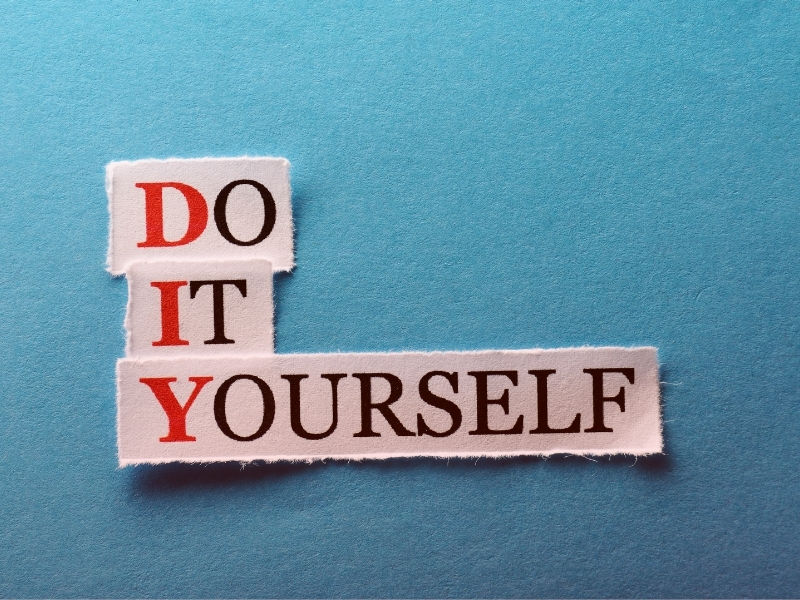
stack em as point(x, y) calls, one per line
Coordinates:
point(221, 215)
point(222, 419)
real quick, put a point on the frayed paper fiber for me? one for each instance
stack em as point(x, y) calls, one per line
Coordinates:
point(589, 401)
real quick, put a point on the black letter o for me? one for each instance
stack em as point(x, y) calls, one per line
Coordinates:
point(219, 408)
point(221, 216)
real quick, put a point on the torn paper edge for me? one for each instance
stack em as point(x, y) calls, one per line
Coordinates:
point(311, 459)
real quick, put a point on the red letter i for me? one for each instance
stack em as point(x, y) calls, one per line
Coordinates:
point(170, 322)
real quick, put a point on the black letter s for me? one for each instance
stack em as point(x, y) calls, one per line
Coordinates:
point(438, 402)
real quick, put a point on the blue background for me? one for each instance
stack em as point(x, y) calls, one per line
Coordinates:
point(466, 175)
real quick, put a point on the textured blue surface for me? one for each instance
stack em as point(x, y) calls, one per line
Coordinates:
point(485, 175)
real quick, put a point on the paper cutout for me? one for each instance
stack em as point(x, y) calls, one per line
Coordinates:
point(315, 406)
point(199, 240)
point(199, 308)
point(200, 209)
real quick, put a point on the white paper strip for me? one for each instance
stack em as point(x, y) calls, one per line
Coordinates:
point(314, 406)
point(199, 309)
point(200, 209)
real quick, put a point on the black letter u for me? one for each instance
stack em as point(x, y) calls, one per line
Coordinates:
point(294, 404)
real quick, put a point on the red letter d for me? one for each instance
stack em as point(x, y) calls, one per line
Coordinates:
point(154, 214)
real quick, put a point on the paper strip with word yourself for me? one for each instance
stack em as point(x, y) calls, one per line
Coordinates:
point(589, 401)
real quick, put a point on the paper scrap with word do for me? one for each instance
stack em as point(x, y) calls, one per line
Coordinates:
point(199, 240)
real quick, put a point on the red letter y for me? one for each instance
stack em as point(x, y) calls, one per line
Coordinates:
point(176, 414)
